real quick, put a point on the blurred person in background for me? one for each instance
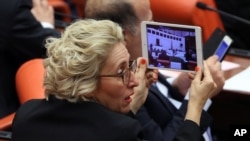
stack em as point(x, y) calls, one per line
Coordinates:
point(25, 24)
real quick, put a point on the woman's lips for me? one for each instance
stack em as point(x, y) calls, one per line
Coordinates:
point(128, 99)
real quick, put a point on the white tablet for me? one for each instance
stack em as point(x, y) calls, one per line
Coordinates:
point(172, 46)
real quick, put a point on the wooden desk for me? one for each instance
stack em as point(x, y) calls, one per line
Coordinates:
point(244, 63)
point(231, 107)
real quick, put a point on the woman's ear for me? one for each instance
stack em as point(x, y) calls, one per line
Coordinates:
point(125, 35)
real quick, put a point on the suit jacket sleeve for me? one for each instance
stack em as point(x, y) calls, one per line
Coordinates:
point(28, 34)
point(189, 131)
point(177, 122)
point(155, 132)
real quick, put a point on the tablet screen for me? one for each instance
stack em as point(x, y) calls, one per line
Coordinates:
point(171, 46)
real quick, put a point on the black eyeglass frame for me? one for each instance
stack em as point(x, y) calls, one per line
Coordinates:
point(126, 72)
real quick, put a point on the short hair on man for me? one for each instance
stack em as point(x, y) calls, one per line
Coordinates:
point(119, 11)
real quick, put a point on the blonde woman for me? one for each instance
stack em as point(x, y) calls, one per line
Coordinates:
point(92, 89)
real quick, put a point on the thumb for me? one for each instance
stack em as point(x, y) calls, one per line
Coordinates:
point(141, 67)
point(198, 75)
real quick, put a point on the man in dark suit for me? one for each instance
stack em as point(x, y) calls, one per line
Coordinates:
point(21, 39)
point(133, 12)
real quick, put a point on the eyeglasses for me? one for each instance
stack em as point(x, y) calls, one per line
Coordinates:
point(126, 73)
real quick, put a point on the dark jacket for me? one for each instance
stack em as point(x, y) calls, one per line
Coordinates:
point(21, 39)
point(60, 120)
point(159, 117)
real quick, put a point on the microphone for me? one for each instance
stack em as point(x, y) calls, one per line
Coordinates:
point(233, 51)
point(204, 6)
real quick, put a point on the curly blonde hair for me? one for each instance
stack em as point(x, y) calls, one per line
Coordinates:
point(75, 59)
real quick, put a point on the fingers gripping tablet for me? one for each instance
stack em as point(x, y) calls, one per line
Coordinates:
point(172, 46)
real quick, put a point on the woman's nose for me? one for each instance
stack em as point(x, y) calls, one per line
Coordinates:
point(133, 82)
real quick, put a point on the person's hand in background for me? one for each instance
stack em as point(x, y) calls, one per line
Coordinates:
point(183, 81)
point(43, 12)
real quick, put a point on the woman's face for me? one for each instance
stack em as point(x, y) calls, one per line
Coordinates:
point(111, 91)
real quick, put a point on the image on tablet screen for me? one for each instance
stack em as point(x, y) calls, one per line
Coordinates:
point(171, 47)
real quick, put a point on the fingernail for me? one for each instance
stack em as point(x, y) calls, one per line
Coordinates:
point(217, 57)
point(143, 61)
point(197, 68)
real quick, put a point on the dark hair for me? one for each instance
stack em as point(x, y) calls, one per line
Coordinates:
point(118, 11)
